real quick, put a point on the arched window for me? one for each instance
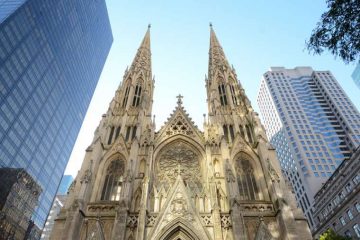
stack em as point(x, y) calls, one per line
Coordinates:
point(113, 181)
point(233, 95)
point(246, 179)
point(137, 95)
point(222, 94)
point(126, 96)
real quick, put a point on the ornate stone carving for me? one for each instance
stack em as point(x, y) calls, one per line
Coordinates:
point(273, 174)
point(225, 220)
point(178, 160)
point(206, 219)
point(179, 126)
point(178, 208)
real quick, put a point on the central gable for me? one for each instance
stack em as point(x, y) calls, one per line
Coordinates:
point(179, 123)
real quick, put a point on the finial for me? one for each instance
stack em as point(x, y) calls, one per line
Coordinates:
point(149, 26)
point(210, 24)
point(179, 101)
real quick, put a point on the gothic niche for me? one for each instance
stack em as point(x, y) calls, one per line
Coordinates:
point(248, 188)
point(113, 181)
point(179, 159)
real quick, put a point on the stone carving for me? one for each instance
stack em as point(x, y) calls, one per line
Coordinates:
point(225, 221)
point(132, 221)
point(179, 126)
point(179, 160)
point(273, 174)
point(206, 219)
point(178, 208)
point(151, 219)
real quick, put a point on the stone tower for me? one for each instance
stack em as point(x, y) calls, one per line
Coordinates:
point(179, 182)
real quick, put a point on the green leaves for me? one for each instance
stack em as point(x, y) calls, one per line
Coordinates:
point(338, 31)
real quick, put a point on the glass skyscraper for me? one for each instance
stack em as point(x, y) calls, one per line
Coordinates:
point(65, 184)
point(52, 53)
point(312, 124)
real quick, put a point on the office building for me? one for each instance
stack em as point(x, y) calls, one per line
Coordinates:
point(19, 196)
point(51, 56)
point(337, 203)
point(312, 124)
point(58, 203)
point(65, 184)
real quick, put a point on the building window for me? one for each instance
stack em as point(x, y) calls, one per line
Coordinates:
point(222, 94)
point(233, 95)
point(248, 131)
point(242, 131)
point(246, 179)
point(130, 132)
point(348, 233)
point(136, 99)
point(349, 213)
point(111, 135)
point(126, 96)
point(113, 181)
point(348, 187)
point(356, 228)
point(117, 132)
point(342, 220)
point(357, 206)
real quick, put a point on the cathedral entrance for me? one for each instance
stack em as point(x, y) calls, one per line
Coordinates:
point(179, 233)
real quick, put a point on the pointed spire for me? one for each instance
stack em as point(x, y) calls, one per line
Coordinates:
point(142, 59)
point(217, 56)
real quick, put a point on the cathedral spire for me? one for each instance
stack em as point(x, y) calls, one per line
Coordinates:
point(142, 59)
point(217, 58)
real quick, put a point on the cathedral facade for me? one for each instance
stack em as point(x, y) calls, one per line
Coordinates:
point(180, 183)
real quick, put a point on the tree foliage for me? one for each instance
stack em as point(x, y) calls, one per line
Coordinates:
point(331, 235)
point(338, 30)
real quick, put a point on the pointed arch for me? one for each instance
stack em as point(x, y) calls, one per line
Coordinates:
point(245, 171)
point(142, 168)
point(137, 200)
point(113, 180)
point(178, 229)
point(217, 168)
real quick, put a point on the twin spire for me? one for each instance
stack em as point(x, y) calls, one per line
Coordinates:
point(217, 56)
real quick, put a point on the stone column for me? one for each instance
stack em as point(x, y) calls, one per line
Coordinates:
point(119, 229)
point(238, 225)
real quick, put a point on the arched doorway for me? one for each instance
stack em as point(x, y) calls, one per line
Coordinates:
point(177, 230)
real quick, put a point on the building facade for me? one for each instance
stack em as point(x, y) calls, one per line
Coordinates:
point(51, 55)
point(356, 75)
point(337, 203)
point(18, 198)
point(312, 124)
point(180, 182)
point(65, 184)
point(58, 203)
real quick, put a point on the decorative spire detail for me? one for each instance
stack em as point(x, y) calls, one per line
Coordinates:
point(142, 59)
point(217, 58)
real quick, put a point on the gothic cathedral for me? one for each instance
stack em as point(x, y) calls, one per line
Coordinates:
point(180, 183)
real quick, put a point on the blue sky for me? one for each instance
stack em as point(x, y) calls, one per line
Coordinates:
point(254, 35)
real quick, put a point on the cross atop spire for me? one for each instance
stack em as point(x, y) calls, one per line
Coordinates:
point(179, 101)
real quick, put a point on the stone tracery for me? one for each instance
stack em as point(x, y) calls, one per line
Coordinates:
point(178, 159)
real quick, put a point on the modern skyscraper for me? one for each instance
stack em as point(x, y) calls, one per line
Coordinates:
point(65, 184)
point(356, 75)
point(312, 124)
point(58, 203)
point(51, 56)
point(180, 182)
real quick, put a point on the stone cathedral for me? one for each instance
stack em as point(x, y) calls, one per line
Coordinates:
point(180, 183)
